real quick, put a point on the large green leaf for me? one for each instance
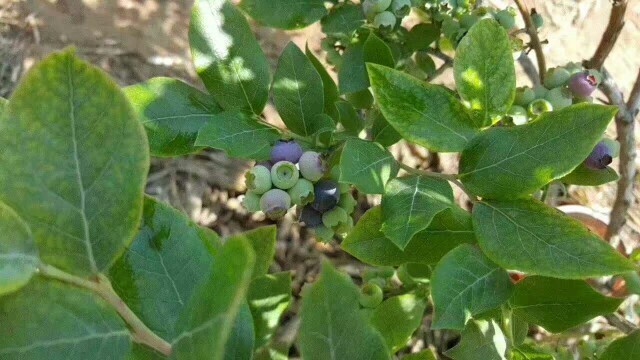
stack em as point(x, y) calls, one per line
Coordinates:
point(508, 162)
point(285, 14)
point(3, 104)
point(481, 339)
point(51, 320)
point(231, 131)
point(298, 91)
point(426, 114)
point(269, 296)
point(165, 264)
point(484, 71)
point(381, 131)
point(624, 348)
point(352, 75)
point(526, 352)
point(557, 304)
point(421, 355)
point(376, 51)
point(208, 318)
point(343, 20)
point(447, 230)
point(409, 204)
point(241, 341)
point(529, 236)
point(349, 118)
point(585, 176)
point(367, 165)
point(397, 318)
point(332, 326)
point(466, 283)
point(263, 242)
point(18, 252)
point(172, 113)
point(74, 163)
point(227, 56)
point(331, 94)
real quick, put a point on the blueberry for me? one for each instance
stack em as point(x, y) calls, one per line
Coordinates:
point(556, 77)
point(285, 150)
point(379, 5)
point(368, 10)
point(539, 106)
point(284, 175)
point(258, 179)
point(275, 203)
point(540, 91)
point(302, 192)
point(537, 19)
point(518, 115)
point(401, 8)
point(326, 195)
point(559, 98)
point(370, 296)
point(582, 84)
point(251, 201)
point(506, 19)
point(600, 157)
point(312, 166)
point(524, 96)
point(385, 20)
point(310, 217)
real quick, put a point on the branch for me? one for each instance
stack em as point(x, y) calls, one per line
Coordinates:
point(610, 36)
point(438, 71)
point(529, 68)
point(139, 331)
point(440, 55)
point(621, 323)
point(533, 35)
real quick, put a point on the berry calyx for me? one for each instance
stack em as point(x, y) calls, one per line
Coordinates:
point(302, 192)
point(370, 296)
point(286, 150)
point(582, 84)
point(601, 156)
point(326, 195)
point(310, 217)
point(401, 8)
point(539, 106)
point(311, 166)
point(258, 179)
point(284, 175)
point(334, 217)
point(275, 203)
point(385, 20)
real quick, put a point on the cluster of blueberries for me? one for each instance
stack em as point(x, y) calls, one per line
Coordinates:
point(384, 14)
point(295, 178)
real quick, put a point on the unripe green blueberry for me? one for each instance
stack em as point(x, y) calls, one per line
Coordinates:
point(371, 296)
point(574, 67)
point(312, 167)
point(537, 20)
point(524, 95)
point(559, 98)
point(385, 20)
point(613, 146)
point(401, 8)
point(347, 202)
point(324, 233)
point(518, 115)
point(258, 179)
point(251, 201)
point(284, 174)
point(379, 5)
point(334, 217)
point(275, 203)
point(506, 19)
point(368, 10)
point(540, 91)
point(302, 192)
point(345, 227)
point(538, 106)
point(382, 283)
point(556, 77)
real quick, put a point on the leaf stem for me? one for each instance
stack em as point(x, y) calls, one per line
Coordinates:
point(453, 178)
point(140, 333)
point(284, 132)
point(507, 326)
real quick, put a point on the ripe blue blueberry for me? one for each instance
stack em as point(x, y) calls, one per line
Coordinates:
point(326, 195)
point(286, 150)
point(284, 174)
point(310, 217)
point(302, 192)
point(600, 157)
point(275, 203)
point(251, 201)
point(582, 84)
point(312, 166)
point(258, 179)
point(385, 20)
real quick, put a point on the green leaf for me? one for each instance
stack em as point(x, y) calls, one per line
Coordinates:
point(297, 91)
point(447, 230)
point(481, 339)
point(484, 71)
point(422, 355)
point(349, 118)
point(526, 352)
point(269, 296)
point(397, 318)
point(508, 162)
point(529, 236)
point(352, 75)
point(227, 56)
point(172, 113)
point(263, 243)
point(332, 326)
point(377, 51)
point(231, 131)
point(52, 320)
point(241, 340)
point(466, 283)
point(74, 166)
point(285, 14)
point(3, 104)
point(331, 94)
point(428, 115)
point(343, 20)
point(208, 318)
point(421, 36)
point(585, 176)
point(162, 268)
point(624, 348)
point(557, 304)
point(381, 131)
point(409, 204)
point(367, 165)
point(18, 252)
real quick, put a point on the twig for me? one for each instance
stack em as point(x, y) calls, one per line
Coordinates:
point(610, 36)
point(440, 55)
point(101, 286)
point(449, 177)
point(529, 68)
point(621, 323)
point(533, 35)
point(438, 71)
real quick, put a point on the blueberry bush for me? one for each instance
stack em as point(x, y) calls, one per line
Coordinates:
point(92, 268)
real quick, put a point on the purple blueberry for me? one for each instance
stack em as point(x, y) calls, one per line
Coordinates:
point(286, 150)
point(312, 166)
point(275, 203)
point(310, 217)
point(327, 195)
point(600, 157)
point(583, 84)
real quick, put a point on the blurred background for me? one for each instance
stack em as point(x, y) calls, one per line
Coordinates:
point(134, 40)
